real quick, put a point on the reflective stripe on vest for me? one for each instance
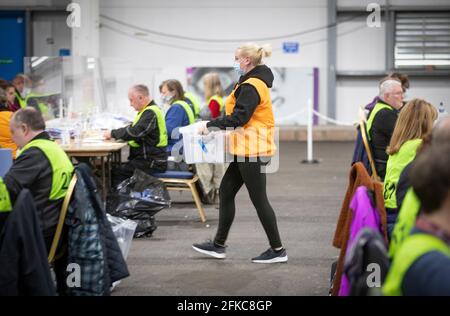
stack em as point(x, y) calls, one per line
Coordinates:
point(414, 247)
point(5, 201)
point(19, 98)
point(405, 221)
point(194, 101)
point(378, 107)
point(256, 138)
point(395, 165)
point(219, 100)
point(62, 168)
point(188, 110)
point(163, 139)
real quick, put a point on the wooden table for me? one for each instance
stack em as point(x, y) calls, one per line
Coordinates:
point(109, 150)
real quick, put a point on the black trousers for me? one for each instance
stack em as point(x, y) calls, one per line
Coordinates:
point(248, 173)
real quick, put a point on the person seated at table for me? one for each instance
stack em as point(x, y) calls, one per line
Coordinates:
point(146, 136)
point(41, 166)
point(179, 113)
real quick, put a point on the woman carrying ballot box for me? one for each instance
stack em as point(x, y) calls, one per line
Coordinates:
point(250, 122)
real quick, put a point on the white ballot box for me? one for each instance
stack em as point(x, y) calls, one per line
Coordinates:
point(211, 148)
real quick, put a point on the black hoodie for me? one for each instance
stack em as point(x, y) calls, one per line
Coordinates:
point(247, 99)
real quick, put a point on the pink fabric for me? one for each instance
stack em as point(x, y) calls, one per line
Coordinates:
point(364, 215)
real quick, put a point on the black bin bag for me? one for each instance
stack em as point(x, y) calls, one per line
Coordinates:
point(139, 198)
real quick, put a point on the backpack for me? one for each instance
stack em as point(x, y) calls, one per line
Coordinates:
point(367, 263)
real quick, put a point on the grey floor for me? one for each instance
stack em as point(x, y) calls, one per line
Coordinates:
point(306, 199)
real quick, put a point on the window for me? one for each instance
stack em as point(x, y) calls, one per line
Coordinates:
point(422, 40)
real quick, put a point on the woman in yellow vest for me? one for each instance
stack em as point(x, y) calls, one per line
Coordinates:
point(179, 113)
point(249, 115)
point(414, 123)
point(211, 174)
point(421, 265)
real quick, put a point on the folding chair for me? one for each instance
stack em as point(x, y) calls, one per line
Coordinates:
point(62, 217)
point(183, 181)
point(363, 130)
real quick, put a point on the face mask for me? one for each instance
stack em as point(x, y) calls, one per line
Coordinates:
point(237, 68)
point(165, 99)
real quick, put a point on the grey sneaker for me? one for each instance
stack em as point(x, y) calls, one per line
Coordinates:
point(271, 256)
point(210, 249)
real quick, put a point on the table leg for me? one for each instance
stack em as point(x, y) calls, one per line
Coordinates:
point(102, 161)
point(109, 158)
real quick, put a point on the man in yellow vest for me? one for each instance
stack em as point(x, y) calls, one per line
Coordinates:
point(421, 264)
point(40, 166)
point(146, 136)
point(381, 122)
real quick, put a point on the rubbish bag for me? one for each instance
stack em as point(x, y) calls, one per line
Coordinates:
point(139, 198)
point(123, 230)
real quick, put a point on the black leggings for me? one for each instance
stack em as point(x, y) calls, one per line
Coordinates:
point(249, 173)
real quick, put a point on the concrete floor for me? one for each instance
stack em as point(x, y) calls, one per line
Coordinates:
point(306, 199)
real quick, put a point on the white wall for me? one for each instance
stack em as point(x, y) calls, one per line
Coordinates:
point(364, 49)
point(50, 33)
point(231, 19)
point(359, 48)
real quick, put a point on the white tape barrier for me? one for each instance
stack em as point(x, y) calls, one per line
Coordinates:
point(328, 119)
point(293, 115)
point(311, 113)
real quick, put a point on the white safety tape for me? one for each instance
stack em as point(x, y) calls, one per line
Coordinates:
point(328, 119)
point(291, 115)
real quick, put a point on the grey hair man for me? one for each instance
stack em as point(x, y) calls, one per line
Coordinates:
point(146, 136)
point(381, 122)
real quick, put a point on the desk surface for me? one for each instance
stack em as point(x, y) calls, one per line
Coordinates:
point(98, 148)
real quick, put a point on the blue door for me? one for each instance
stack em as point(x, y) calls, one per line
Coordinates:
point(12, 47)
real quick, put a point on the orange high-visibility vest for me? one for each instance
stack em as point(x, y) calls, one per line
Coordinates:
point(256, 138)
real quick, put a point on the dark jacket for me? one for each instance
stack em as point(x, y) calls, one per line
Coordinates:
point(247, 99)
point(360, 153)
point(23, 257)
point(146, 133)
point(91, 241)
point(381, 133)
point(32, 171)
